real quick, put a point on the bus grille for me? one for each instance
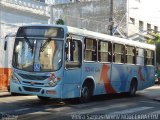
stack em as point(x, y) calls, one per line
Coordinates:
point(31, 89)
point(33, 77)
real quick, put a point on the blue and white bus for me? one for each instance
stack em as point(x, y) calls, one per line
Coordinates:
point(58, 61)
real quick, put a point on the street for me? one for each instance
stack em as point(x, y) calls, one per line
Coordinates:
point(145, 105)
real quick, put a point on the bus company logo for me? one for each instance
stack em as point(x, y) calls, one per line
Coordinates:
point(32, 83)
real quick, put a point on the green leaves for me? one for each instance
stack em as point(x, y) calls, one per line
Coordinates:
point(60, 22)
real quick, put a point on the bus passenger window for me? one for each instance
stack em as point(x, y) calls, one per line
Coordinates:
point(104, 51)
point(118, 54)
point(73, 53)
point(140, 56)
point(130, 55)
point(149, 57)
point(90, 52)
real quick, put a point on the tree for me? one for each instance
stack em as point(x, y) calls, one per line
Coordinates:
point(156, 41)
point(60, 22)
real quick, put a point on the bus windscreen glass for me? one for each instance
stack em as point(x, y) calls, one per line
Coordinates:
point(39, 31)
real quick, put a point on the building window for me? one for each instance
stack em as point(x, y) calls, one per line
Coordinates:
point(132, 21)
point(155, 29)
point(40, 0)
point(141, 26)
point(148, 27)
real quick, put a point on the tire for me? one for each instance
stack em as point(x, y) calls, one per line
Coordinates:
point(133, 89)
point(43, 98)
point(15, 94)
point(85, 94)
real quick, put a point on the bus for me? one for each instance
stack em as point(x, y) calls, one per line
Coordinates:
point(59, 61)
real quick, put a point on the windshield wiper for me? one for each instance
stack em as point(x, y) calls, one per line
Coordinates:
point(45, 44)
point(28, 42)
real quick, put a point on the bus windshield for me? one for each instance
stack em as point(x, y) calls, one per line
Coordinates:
point(37, 55)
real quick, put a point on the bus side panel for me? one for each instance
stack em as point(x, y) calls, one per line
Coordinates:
point(146, 76)
point(100, 73)
point(120, 76)
point(70, 91)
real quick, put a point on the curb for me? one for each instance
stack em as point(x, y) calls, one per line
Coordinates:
point(4, 94)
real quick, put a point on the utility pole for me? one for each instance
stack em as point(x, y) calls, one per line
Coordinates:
point(111, 17)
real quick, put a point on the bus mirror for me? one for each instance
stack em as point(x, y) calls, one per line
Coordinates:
point(5, 46)
point(72, 45)
point(66, 47)
point(17, 48)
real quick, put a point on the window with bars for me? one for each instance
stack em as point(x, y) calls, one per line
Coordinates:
point(118, 53)
point(130, 54)
point(141, 26)
point(139, 56)
point(149, 57)
point(90, 52)
point(104, 51)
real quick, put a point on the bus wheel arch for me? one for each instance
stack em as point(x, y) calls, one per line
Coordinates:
point(87, 90)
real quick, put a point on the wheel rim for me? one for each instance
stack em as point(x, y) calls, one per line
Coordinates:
point(133, 89)
point(85, 93)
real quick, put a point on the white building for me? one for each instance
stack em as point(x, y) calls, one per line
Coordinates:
point(144, 15)
point(14, 13)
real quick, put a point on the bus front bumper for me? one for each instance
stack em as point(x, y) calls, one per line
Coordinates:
point(52, 92)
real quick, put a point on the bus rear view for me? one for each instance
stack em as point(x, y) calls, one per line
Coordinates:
point(37, 61)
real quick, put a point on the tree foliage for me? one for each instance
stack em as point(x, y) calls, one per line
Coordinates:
point(156, 41)
point(60, 22)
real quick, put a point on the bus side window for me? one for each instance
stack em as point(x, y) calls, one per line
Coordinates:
point(118, 53)
point(90, 52)
point(140, 56)
point(104, 51)
point(73, 53)
point(130, 54)
point(149, 57)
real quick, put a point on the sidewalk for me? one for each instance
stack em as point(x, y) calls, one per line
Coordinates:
point(151, 92)
point(4, 93)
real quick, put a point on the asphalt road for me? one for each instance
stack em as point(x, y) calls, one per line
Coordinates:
point(143, 106)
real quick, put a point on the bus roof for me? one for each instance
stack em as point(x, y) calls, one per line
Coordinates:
point(96, 35)
point(113, 39)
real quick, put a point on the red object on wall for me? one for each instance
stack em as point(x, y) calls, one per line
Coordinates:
point(5, 74)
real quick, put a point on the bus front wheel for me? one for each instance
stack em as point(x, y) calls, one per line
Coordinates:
point(85, 94)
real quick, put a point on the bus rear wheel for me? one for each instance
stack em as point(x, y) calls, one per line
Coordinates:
point(133, 88)
point(43, 98)
point(85, 94)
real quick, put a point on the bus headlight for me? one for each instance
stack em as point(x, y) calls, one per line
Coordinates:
point(14, 78)
point(53, 82)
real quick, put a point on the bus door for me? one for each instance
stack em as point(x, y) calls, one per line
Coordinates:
point(73, 63)
point(8, 52)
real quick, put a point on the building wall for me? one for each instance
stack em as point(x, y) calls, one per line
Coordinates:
point(12, 15)
point(146, 11)
point(92, 15)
